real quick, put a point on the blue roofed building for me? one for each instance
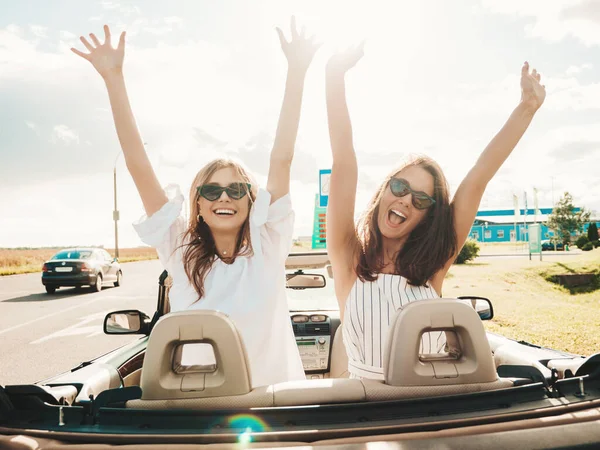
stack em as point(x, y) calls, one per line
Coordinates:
point(502, 225)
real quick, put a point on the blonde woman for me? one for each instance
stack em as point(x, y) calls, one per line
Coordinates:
point(231, 254)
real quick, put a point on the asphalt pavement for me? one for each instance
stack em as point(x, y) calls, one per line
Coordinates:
point(45, 334)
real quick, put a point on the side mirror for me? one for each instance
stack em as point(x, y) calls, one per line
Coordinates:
point(304, 280)
point(481, 305)
point(129, 321)
point(115, 260)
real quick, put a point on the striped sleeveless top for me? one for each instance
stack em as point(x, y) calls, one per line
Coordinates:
point(369, 309)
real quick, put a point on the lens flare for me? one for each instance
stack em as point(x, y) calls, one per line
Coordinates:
point(249, 423)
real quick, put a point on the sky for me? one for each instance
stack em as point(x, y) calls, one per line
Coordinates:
point(206, 79)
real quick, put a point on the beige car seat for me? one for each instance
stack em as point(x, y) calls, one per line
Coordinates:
point(165, 381)
point(407, 373)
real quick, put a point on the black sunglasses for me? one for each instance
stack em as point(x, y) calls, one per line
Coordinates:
point(235, 191)
point(400, 188)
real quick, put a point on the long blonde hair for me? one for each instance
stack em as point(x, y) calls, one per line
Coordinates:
point(199, 245)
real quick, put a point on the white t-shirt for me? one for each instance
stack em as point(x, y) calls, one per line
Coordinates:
point(251, 291)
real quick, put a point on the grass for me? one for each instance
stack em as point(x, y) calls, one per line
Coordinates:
point(574, 267)
point(17, 261)
point(529, 307)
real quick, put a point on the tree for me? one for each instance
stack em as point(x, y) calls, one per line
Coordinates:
point(565, 221)
point(469, 251)
point(592, 232)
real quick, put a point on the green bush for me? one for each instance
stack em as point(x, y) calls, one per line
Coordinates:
point(469, 251)
point(596, 243)
point(587, 247)
point(581, 241)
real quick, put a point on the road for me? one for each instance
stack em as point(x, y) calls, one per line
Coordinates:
point(42, 335)
point(546, 256)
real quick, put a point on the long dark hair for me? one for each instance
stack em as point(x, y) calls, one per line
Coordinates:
point(430, 245)
point(199, 245)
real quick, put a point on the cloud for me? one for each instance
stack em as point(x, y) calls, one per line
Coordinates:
point(573, 70)
point(155, 27)
point(15, 29)
point(30, 214)
point(39, 31)
point(205, 140)
point(586, 10)
point(32, 126)
point(174, 20)
point(555, 20)
point(64, 134)
point(125, 10)
point(67, 35)
point(568, 94)
point(23, 60)
point(575, 150)
point(159, 27)
point(564, 93)
point(197, 100)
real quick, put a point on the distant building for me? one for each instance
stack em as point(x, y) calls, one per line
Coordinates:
point(502, 226)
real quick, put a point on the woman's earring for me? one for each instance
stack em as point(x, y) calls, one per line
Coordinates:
point(199, 217)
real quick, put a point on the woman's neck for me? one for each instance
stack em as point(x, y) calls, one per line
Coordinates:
point(391, 248)
point(225, 245)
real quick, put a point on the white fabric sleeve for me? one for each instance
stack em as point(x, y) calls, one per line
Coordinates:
point(272, 225)
point(163, 230)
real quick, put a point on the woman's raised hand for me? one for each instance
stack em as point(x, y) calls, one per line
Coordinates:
point(300, 50)
point(343, 61)
point(532, 92)
point(105, 59)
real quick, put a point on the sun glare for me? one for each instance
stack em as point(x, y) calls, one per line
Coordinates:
point(344, 23)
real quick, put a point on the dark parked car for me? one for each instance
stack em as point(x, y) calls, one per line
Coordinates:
point(81, 267)
point(548, 245)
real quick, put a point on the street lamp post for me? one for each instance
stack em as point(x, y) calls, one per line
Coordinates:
point(116, 210)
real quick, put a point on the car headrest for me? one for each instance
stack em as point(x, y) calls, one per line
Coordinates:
point(472, 362)
point(165, 374)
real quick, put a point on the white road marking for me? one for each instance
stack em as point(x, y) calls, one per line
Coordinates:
point(79, 305)
point(77, 329)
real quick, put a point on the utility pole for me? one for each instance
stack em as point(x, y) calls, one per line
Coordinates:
point(535, 205)
point(525, 216)
point(516, 206)
point(116, 210)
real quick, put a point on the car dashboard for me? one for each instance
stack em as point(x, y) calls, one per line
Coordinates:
point(314, 332)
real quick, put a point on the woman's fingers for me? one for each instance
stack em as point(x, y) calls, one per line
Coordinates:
point(293, 27)
point(78, 53)
point(106, 34)
point(95, 40)
point(121, 40)
point(282, 39)
point(86, 43)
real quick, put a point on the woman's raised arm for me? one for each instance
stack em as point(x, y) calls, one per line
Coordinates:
point(108, 61)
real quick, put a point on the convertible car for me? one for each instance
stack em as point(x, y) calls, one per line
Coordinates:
point(187, 381)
